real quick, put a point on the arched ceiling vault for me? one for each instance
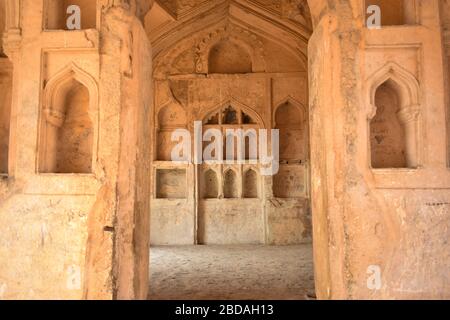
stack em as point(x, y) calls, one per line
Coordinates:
point(182, 19)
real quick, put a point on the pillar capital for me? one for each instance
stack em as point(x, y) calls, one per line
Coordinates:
point(12, 40)
point(409, 114)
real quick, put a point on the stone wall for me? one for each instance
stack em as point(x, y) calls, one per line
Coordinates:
point(207, 204)
point(71, 235)
point(394, 221)
point(61, 224)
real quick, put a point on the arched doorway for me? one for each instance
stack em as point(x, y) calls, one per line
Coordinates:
point(228, 75)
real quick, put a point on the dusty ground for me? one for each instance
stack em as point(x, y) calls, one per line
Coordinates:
point(231, 272)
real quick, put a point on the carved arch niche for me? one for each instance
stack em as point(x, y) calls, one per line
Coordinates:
point(290, 118)
point(250, 187)
point(171, 116)
point(56, 13)
point(6, 68)
point(210, 184)
point(67, 139)
point(394, 118)
point(233, 115)
point(230, 50)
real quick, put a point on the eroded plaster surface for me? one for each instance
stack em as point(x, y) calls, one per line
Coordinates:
point(86, 184)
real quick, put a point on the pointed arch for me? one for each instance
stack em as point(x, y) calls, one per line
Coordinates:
point(286, 102)
point(69, 114)
point(230, 184)
point(290, 117)
point(212, 113)
point(291, 39)
point(396, 91)
point(171, 116)
point(408, 87)
point(61, 82)
point(210, 184)
point(250, 188)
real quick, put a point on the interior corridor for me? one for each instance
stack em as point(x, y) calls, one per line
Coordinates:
point(245, 272)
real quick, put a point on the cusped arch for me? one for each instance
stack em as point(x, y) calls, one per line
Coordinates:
point(407, 91)
point(236, 105)
point(60, 84)
point(405, 83)
point(67, 140)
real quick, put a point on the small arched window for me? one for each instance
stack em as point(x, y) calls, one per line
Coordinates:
point(66, 142)
point(234, 116)
point(210, 185)
point(250, 186)
point(170, 118)
point(290, 120)
point(394, 118)
point(230, 186)
point(387, 131)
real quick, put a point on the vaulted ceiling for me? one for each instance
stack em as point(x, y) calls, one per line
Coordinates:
point(285, 21)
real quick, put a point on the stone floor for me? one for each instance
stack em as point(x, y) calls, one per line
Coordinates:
point(231, 272)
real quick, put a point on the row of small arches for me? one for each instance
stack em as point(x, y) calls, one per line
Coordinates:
point(289, 117)
point(250, 187)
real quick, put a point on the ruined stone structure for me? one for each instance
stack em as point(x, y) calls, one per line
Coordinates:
point(86, 118)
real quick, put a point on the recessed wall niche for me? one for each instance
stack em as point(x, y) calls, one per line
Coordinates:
point(229, 57)
point(290, 120)
point(395, 12)
point(170, 118)
point(290, 182)
point(387, 132)
point(230, 185)
point(210, 185)
point(171, 184)
point(5, 112)
point(66, 141)
point(233, 116)
point(56, 13)
point(250, 185)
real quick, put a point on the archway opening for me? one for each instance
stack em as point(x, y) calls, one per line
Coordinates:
point(66, 140)
point(235, 85)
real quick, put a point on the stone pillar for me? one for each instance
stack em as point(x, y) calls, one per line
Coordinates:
point(377, 233)
point(409, 117)
point(123, 201)
point(334, 73)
